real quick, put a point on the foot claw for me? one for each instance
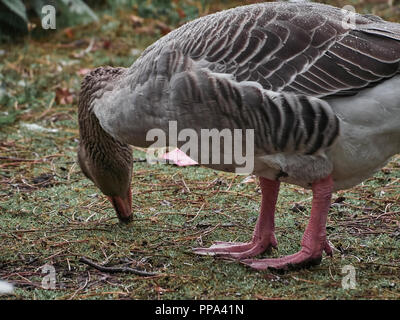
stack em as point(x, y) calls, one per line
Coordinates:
point(295, 261)
point(328, 249)
point(238, 250)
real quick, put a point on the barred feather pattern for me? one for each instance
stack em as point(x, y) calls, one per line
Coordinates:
point(282, 122)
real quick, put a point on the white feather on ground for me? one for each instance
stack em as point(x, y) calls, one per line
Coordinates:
point(6, 288)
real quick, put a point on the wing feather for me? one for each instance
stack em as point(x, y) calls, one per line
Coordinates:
point(294, 47)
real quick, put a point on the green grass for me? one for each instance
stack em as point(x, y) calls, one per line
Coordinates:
point(51, 214)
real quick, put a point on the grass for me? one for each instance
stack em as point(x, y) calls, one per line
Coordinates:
point(51, 214)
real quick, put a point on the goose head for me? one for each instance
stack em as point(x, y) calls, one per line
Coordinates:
point(104, 160)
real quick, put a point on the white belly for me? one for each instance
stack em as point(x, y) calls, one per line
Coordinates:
point(369, 137)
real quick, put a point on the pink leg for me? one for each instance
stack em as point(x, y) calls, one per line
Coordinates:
point(263, 236)
point(314, 239)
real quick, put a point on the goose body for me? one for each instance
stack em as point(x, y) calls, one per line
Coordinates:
point(321, 96)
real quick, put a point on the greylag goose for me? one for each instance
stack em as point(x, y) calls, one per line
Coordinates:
point(322, 96)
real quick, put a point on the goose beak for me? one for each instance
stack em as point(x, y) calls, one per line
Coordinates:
point(122, 206)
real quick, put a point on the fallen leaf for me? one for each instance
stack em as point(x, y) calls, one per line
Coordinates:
point(136, 21)
point(165, 29)
point(106, 44)
point(64, 96)
point(69, 33)
point(161, 290)
point(153, 219)
point(83, 71)
point(181, 13)
point(147, 30)
point(179, 158)
point(249, 179)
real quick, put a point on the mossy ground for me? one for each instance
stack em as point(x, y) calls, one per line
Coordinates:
point(51, 214)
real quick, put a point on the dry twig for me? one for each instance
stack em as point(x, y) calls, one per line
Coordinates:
point(116, 269)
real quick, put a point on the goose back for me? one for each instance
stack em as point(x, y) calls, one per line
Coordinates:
point(304, 48)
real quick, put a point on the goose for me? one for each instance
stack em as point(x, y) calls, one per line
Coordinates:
point(321, 95)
